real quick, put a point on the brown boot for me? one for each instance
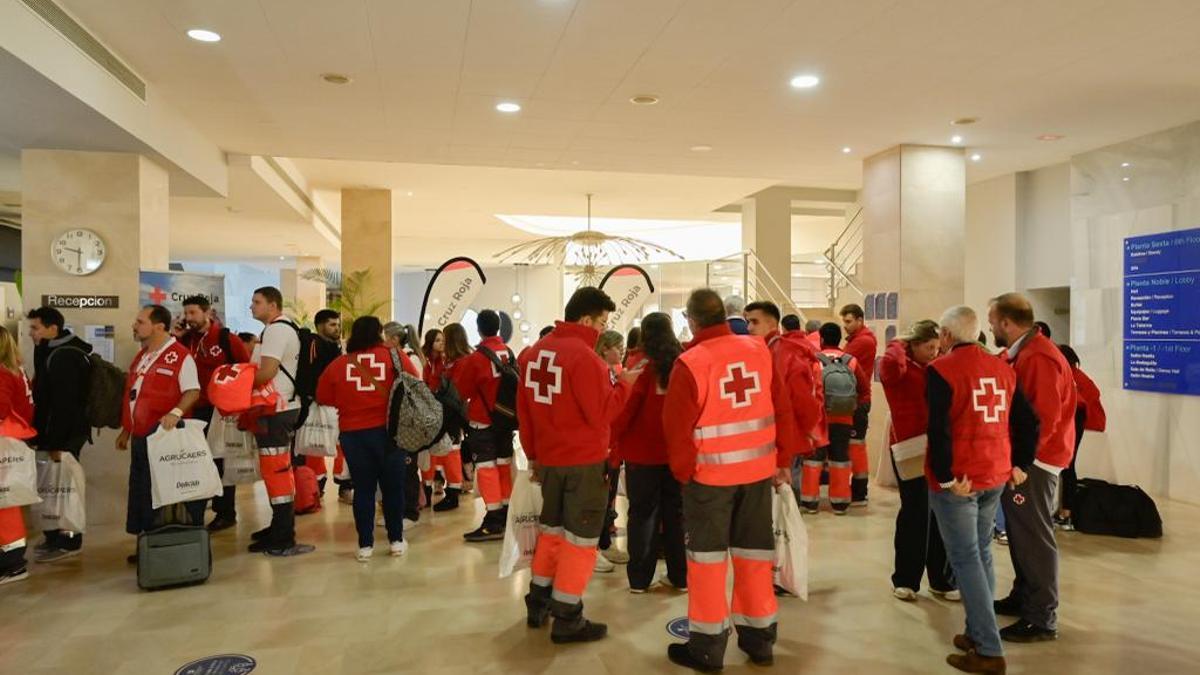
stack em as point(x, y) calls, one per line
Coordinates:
point(964, 643)
point(973, 662)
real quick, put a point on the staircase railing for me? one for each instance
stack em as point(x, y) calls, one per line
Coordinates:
point(752, 281)
point(844, 255)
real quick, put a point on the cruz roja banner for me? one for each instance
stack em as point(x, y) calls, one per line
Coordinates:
point(629, 287)
point(170, 289)
point(451, 291)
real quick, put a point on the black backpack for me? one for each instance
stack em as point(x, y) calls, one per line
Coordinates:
point(454, 411)
point(304, 380)
point(1119, 510)
point(504, 410)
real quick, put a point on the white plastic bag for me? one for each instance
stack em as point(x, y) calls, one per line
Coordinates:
point(61, 487)
point(885, 473)
point(181, 465)
point(319, 435)
point(18, 474)
point(241, 463)
point(223, 433)
point(791, 544)
point(521, 530)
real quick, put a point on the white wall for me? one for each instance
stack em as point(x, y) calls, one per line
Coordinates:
point(240, 282)
point(990, 247)
point(1043, 231)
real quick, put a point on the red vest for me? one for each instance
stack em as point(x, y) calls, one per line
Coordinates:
point(735, 434)
point(159, 391)
point(982, 389)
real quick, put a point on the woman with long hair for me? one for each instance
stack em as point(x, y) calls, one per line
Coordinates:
point(359, 384)
point(655, 497)
point(918, 543)
point(16, 416)
point(1089, 416)
point(609, 347)
point(447, 454)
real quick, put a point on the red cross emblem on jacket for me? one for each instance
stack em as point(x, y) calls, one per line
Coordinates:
point(738, 385)
point(989, 399)
point(544, 378)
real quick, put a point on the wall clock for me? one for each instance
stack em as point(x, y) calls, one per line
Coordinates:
point(78, 252)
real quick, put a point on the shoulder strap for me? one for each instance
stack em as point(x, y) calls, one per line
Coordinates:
point(491, 356)
point(86, 359)
point(223, 339)
point(281, 368)
point(825, 359)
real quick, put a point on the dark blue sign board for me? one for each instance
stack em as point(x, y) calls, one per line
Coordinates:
point(869, 307)
point(1162, 312)
point(880, 306)
point(893, 306)
point(222, 664)
point(679, 628)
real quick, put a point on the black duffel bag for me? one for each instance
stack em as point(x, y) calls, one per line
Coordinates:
point(1119, 510)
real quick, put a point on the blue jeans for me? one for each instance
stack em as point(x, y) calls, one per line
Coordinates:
point(966, 524)
point(374, 460)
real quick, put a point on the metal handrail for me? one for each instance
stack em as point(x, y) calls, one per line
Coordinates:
point(782, 298)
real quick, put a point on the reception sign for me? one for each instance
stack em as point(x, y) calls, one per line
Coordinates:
point(170, 289)
point(1162, 312)
point(629, 287)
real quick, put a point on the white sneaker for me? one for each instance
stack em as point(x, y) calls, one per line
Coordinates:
point(615, 555)
point(905, 594)
point(950, 596)
point(364, 554)
point(603, 565)
point(398, 548)
point(409, 524)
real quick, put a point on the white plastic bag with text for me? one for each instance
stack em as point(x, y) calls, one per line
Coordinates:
point(791, 544)
point(61, 487)
point(319, 435)
point(18, 474)
point(181, 465)
point(522, 528)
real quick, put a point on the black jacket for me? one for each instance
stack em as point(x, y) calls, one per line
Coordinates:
point(62, 372)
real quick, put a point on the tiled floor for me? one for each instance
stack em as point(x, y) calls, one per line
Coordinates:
point(1129, 606)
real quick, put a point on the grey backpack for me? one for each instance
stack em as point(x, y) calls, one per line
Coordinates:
point(841, 387)
point(414, 412)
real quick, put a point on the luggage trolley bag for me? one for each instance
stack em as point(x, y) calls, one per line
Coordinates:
point(176, 554)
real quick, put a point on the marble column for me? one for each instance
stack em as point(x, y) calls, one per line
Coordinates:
point(367, 245)
point(124, 199)
point(306, 297)
point(767, 230)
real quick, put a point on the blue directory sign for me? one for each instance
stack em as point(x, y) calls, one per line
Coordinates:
point(1162, 312)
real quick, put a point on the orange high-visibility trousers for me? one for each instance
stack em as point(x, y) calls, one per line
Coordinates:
point(451, 466)
point(277, 475)
point(837, 456)
point(12, 528)
point(491, 449)
point(565, 556)
point(504, 468)
point(723, 523)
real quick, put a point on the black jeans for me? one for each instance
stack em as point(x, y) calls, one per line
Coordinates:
point(412, 487)
point(610, 515)
point(68, 541)
point(655, 521)
point(918, 542)
point(375, 460)
point(140, 514)
point(1069, 478)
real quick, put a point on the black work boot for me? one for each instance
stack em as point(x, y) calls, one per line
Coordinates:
point(537, 604)
point(428, 496)
point(282, 531)
point(449, 502)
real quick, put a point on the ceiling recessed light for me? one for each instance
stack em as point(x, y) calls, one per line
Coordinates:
point(508, 107)
point(976, 157)
point(701, 148)
point(847, 150)
point(956, 139)
point(1050, 137)
point(644, 99)
point(805, 81)
point(964, 121)
point(1125, 165)
point(281, 257)
point(202, 35)
point(335, 78)
point(1125, 179)
point(409, 193)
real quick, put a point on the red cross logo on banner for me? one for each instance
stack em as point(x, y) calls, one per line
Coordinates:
point(171, 357)
point(544, 378)
point(158, 295)
point(738, 385)
point(989, 399)
point(375, 368)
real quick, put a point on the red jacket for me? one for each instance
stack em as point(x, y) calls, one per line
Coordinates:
point(863, 347)
point(1089, 398)
point(209, 355)
point(360, 392)
point(1045, 378)
point(567, 400)
point(477, 380)
point(633, 357)
point(864, 384)
point(903, 382)
point(970, 426)
point(435, 368)
point(682, 408)
point(637, 433)
point(796, 363)
point(16, 403)
point(814, 339)
point(159, 392)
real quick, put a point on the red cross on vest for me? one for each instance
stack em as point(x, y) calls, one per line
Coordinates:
point(544, 378)
point(738, 385)
point(989, 399)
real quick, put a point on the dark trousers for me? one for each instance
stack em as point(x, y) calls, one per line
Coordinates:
point(375, 460)
point(655, 521)
point(69, 541)
point(1068, 476)
point(918, 542)
point(1028, 514)
point(610, 515)
point(412, 487)
point(224, 505)
point(140, 514)
point(860, 477)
